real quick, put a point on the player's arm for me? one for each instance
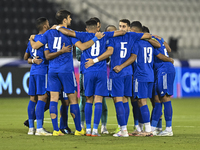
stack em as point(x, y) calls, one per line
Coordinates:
point(88, 44)
point(146, 36)
point(35, 45)
point(26, 56)
point(164, 42)
point(129, 61)
point(154, 42)
point(35, 60)
point(105, 55)
point(65, 49)
point(119, 33)
point(165, 58)
point(66, 31)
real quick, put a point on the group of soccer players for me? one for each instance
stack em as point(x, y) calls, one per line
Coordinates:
point(139, 69)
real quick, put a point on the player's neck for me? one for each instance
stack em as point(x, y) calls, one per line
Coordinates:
point(42, 32)
point(92, 31)
point(63, 25)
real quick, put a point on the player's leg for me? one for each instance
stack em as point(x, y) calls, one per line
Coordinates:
point(88, 114)
point(70, 87)
point(97, 114)
point(32, 104)
point(136, 115)
point(168, 111)
point(104, 117)
point(31, 114)
point(141, 90)
point(156, 114)
point(166, 86)
point(40, 115)
point(42, 99)
point(82, 101)
point(127, 93)
point(54, 86)
point(100, 82)
point(120, 111)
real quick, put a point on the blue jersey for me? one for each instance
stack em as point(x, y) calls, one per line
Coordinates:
point(159, 65)
point(98, 48)
point(64, 62)
point(42, 68)
point(143, 66)
point(122, 46)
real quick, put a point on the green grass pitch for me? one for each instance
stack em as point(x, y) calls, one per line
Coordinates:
point(13, 134)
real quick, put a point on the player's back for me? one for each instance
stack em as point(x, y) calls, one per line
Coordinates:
point(64, 62)
point(159, 65)
point(97, 49)
point(122, 46)
point(143, 66)
point(42, 67)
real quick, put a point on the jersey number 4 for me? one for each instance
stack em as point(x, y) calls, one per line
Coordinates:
point(57, 43)
point(34, 51)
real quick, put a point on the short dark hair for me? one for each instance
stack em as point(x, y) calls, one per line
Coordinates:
point(40, 22)
point(90, 23)
point(145, 29)
point(96, 19)
point(61, 15)
point(137, 25)
point(125, 21)
point(112, 26)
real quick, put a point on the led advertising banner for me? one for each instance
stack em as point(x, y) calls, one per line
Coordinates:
point(190, 82)
point(14, 81)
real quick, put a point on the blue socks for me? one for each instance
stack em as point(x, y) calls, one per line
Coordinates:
point(120, 113)
point(136, 112)
point(31, 113)
point(145, 113)
point(40, 113)
point(168, 113)
point(157, 112)
point(54, 111)
point(63, 116)
point(97, 114)
point(127, 111)
point(75, 111)
point(88, 114)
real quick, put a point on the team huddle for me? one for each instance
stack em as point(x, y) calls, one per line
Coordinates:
point(140, 68)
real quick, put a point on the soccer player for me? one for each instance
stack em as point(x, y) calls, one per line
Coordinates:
point(82, 94)
point(95, 78)
point(37, 81)
point(61, 70)
point(163, 89)
point(119, 48)
point(143, 75)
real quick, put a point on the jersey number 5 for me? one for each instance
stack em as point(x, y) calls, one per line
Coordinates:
point(123, 51)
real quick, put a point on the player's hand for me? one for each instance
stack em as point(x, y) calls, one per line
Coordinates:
point(53, 27)
point(66, 49)
point(32, 37)
point(37, 61)
point(117, 69)
point(89, 63)
point(172, 60)
point(99, 35)
point(158, 37)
